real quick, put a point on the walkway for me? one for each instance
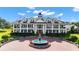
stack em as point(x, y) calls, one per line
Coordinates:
point(57, 44)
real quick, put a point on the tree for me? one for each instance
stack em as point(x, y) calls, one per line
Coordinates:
point(72, 29)
point(75, 23)
point(4, 23)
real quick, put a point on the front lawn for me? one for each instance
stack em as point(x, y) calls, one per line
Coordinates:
point(77, 35)
point(5, 32)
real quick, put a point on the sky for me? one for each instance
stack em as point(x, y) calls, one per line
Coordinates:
point(68, 14)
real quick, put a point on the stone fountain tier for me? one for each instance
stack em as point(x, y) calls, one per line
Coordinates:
point(39, 43)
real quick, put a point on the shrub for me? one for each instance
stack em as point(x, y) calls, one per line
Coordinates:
point(63, 35)
point(5, 38)
point(1, 41)
point(73, 38)
point(22, 34)
point(77, 41)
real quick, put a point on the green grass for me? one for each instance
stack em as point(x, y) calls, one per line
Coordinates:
point(69, 36)
point(77, 35)
point(5, 32)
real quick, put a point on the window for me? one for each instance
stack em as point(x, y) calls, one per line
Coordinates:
point(16, 26)
point(55, 26)
point(25, 31)
point(30, 31)
point(61, 31)
point(49, 26)
point(56, 22)
point(23, 25)
point(49, 31)
point(16, 30)
point(30, 26)
point(22, 30)
point(25, 21)
point(61, 26)
point(32, 21)
point(55, 31)
point(39, 26)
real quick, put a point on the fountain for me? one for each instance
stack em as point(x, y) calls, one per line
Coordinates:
point(39, 43)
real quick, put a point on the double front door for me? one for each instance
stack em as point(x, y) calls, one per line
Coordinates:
point(40, 28)
point(40, 32)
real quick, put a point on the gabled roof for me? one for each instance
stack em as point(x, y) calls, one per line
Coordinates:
point(39, 20)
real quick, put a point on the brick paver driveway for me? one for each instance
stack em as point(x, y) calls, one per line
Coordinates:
point(57, 44)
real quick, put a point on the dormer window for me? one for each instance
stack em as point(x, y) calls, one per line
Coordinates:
point(49, 21)
point(62, 26)
point(32, 21)
point(25, 21)
point(55, 22)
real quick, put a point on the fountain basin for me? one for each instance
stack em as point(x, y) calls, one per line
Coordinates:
point(40, 44)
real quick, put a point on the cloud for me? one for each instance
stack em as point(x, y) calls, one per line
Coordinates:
point(28, 11)
point(44, 12)
point(31, 8)
point(37, 11)
point(22, 14)
point(35, 16)
point(71, 20)
point(50, 13)
point(60, 14)
point(76, 9)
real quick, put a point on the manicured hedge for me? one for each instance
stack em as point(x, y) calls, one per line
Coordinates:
point(58, 34)
point(5, 38)
point(22, 34)
point(73, 38)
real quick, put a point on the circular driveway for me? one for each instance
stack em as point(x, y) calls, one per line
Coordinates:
point(56, 45)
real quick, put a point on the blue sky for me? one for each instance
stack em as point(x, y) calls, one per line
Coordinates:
point(65, 13)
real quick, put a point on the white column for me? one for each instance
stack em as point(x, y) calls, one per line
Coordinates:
point(65, 30)
point(20, 27)
point(59, 28)
point(43, 29)
point(13, 27)
point(52, 28)
point(35, 29)
point(27, 27)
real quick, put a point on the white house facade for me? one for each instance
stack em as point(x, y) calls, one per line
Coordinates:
point(49, 25)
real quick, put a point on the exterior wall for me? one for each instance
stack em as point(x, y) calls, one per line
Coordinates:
point(28, 27)
point(51, 26)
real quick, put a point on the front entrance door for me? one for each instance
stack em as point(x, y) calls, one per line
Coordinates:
point(39, 32)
